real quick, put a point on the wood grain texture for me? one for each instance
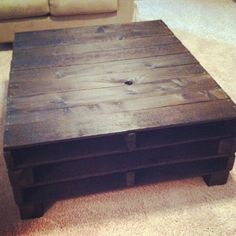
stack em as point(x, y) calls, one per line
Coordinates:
point(74, 57)
point(59, 129)
point(180, 90)
point(70, 72)
point(116, 163)
point(106, 107)
point(119, 180)
point(152, 41)
point(113, 144)
point(102, 33)
point(72, 84)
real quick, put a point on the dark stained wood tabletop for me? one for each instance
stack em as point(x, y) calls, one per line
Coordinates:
point(94, 81)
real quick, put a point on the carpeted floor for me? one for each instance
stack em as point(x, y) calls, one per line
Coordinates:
point(187, 207)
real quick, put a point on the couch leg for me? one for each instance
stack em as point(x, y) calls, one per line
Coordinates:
point(217, 178)
point(31, 211)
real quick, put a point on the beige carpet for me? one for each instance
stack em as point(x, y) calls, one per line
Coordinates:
point(188, 207)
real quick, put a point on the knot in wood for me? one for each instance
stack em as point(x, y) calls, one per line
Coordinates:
point(129, 82)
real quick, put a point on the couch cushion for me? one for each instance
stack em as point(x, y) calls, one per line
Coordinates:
point(11, 9)
point(75, 7)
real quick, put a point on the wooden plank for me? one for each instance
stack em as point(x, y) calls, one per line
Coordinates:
point(58, 50)
point(181, 170)
point(89, 34)
point(91, 30)
point(156, 80)
point(110, 145)
point(86, 103)
point(118, 180)
point(61, 81)
point(74, 188)
point(70, 127)
point(74, 72)
point(65, 59)
point(131, 161)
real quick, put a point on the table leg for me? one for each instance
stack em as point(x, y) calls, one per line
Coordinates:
point(31, 210)
point(216, 178)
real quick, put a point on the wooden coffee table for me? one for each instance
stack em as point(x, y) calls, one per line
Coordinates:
point(99, 108)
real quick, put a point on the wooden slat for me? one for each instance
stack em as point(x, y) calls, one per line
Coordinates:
point(158, 84)
point(79, 71)
point(87, 148)
point(58, 50)
point(118, 180)
point(110, 145)
point(34, 86)
point(103, 165)
point(74, 188)
point(181, 170)
point(35, 60)
point(62, 173)
point(190, 82)
point(90, 34)
point(90, 102)
point(69, 127)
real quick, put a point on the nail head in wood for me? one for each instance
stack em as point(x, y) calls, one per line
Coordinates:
point(131, 141)
point(129, 82)
point(130, 179)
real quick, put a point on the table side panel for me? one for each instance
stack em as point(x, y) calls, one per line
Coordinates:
point(116, 123)
point(143, 140)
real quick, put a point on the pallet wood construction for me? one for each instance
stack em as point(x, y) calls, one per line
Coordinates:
point(106, 107)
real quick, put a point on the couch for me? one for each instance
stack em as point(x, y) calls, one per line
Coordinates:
point(33, 15)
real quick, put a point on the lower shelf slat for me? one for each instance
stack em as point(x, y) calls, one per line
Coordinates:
point(108, 164)
point(126, 161)
point(118, 180)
